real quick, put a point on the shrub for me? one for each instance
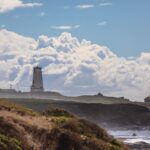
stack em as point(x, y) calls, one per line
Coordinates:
point(57, 112)
point(10, 106)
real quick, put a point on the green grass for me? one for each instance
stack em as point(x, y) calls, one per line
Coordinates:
point(57, 112)
point(10, 106)
point(7, 143)
point(59, 120)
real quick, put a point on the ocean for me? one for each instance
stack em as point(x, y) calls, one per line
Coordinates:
point(132, 136)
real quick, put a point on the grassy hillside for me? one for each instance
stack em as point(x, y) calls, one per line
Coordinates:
point(129, 115)
point(54, 129)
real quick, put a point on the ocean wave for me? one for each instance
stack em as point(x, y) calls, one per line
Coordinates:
point(132, 136)
point(136, 140)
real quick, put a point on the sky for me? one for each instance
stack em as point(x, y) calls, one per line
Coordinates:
point(84, 46)
point(121, 25)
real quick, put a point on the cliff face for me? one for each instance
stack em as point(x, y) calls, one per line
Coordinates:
point(123, 116)
point(131, 116)
point(23, 129)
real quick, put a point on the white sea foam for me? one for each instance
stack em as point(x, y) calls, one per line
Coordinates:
point(133, 141)
point(132, 136)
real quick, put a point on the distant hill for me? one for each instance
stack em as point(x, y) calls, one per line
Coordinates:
point(99, 98)
point(54, 129)
point(49, 95)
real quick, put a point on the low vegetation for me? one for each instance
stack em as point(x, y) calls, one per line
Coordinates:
point(9, 143)
point(54, 129)
point(10, 106)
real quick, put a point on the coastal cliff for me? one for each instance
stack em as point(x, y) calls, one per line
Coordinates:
point(54, 129)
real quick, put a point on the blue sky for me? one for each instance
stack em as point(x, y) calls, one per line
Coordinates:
point(122, 25)
point(116, 62)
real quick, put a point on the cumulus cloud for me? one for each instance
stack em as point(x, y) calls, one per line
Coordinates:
point(8, 5)
point(71, 66)
point(85, 6)
point(65, 27)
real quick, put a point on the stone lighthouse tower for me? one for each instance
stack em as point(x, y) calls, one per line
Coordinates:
point(37, 83)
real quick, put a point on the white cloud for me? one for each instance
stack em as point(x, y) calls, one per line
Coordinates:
point(103, 23)
point(65, 27)
point(85, 6)
point(8, 5)
point(105, 4)
point(31, 5)
point(42, 14)
point(72, 66)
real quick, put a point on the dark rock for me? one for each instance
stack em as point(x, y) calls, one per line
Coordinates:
point(139, 146)
point(134, 134)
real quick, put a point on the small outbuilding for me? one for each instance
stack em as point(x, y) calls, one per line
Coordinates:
point(147, 99)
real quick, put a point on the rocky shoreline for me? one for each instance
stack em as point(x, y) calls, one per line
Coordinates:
point(135, 139)
point(139, 146)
